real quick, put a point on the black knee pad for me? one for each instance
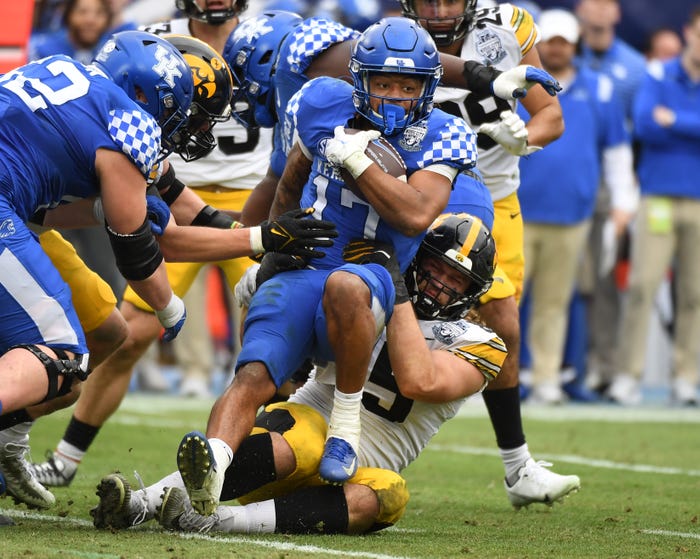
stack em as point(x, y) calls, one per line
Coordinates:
point(64, 366)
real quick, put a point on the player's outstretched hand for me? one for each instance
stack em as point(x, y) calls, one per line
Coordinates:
point(365, 251)
point(510, 132)
point(295, 233)
point(515, 83)
point(274, 263)
point(158, 213)
point(348, 150)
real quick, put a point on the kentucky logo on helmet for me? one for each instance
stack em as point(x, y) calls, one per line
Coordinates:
point(167, 67)
point(253, 28)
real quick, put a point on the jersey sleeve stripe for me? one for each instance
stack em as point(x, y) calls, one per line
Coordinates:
point(524, 28)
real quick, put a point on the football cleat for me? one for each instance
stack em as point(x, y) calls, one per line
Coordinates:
point(119, 507)
point(19, 478)
point(176, 513)
point(198, 468)
point(339, 461)
point(536, 484)
point(55, 472)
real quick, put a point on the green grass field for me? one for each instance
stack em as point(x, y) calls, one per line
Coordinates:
point(640, 495)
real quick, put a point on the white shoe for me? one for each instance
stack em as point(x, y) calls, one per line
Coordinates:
point(201, 473)
point(195, 387)
point(19, 477)
point(684, 393)
point(625, 390)
point(536, 484)
point(547, 393)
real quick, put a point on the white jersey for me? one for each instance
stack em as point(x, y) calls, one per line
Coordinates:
point(500, 37)
point(395, 429)
point(241, 157)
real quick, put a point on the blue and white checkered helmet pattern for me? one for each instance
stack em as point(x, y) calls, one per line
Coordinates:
point(138, 136)
point(451, 146)
point(312, 37)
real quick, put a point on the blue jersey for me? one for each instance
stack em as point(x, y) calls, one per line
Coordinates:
point(308, 40)
point(558, 185)
point(45, 157)
point(313, 113)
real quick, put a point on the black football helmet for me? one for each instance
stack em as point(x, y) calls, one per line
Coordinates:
point(211, 100)
point(465, 244)
point(444, 30)
point(213, 17)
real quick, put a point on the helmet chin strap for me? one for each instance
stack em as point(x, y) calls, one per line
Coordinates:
point(391, 115)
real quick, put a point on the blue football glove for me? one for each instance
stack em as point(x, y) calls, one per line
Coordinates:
point(172, 317)
point(158, 214)
point(517, 81)
point(544, 78)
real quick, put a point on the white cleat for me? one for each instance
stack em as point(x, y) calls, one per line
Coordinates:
point(176, 513)
point(22, 485)
point(198, 468)
point(537, 484)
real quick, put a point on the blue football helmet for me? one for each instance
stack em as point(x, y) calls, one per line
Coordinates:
point(395, 45)
point(251, 52)
point(147, 66)
point(464, 243)
point(213, 17)
point(444, 30)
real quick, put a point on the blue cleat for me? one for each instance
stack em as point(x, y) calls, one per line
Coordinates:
point(339, 461)
point(198, 468)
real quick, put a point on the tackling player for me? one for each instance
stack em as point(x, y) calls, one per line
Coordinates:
point(413, 388)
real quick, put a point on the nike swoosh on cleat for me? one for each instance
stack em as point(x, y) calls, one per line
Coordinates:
point(351, 469)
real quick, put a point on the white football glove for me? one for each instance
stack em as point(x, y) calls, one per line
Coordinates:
point(511, 133)
point(348, 150)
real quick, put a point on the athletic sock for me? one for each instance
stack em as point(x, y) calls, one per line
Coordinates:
point(254, 518)
point(345, 418)
point(513, 460)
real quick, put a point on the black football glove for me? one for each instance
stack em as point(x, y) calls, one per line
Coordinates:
point(291, 233)
point(365, 251)
point(274, 263)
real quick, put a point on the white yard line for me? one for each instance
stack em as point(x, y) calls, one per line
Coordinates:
point(570, 459)
point(672, 534)
point(233, 540)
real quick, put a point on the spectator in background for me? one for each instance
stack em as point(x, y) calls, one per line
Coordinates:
point(663, 44)
point(601, 50)
point(667, 231)
point(558, 190)
point(85, 24)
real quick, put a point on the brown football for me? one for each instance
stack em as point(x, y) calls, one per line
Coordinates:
point(383, 154)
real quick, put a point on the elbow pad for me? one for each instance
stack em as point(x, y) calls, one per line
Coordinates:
point(137, 254)
point(479, 78)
